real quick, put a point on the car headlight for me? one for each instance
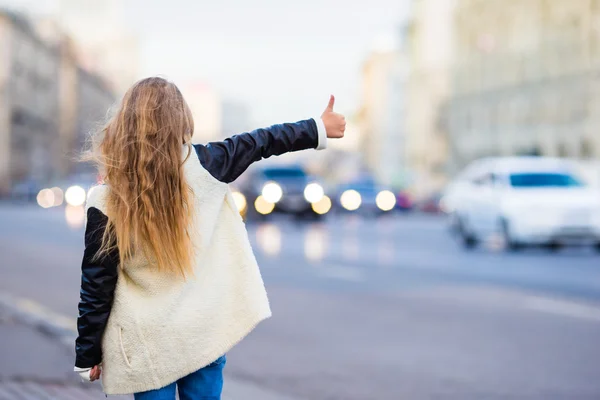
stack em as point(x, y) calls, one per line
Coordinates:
point(240, 201)
point(313, 193)
point(272, 192)
point(45, 198)
point(59, 196)
point(385, 200)
point(263, 206)
point(75, 195)
point(322, 206)
point(350, 200)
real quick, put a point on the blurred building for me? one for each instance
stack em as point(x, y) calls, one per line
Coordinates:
point(206, 106)
point(68, 100)
point(29, 127)
point(430, 52)
point(84, 101)
point(382, 117)
point(343, 161)
point(235, 118)
point(104, 43)
point(525, 79)
point(47, 102)
point(94, 100)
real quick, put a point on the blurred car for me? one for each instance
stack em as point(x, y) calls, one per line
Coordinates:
point(364, 196)
point(527, 200)
point(26, 190)
point(431, 204)
point(589, 170)
point(282, 189)
point(404, 202)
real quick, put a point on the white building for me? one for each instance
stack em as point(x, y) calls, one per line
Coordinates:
point(29, 123)
point(430, 50)
point(206, 106)
point(382, 118)
point(525, 80)
point(48, 103)
point(105, 45)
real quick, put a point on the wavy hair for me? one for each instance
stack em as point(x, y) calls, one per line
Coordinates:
point(139, 154)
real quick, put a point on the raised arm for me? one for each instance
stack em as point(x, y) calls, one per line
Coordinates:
point(228, 159)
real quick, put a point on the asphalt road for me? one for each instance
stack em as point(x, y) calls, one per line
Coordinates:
point(374, 309)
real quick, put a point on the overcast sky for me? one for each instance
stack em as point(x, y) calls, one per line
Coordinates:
point(281, 57)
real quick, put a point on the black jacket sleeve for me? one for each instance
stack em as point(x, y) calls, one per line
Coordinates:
point(98, 282)
point(228, 159)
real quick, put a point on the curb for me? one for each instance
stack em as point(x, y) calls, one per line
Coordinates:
point(40, 318)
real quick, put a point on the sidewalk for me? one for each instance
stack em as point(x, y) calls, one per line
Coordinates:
point(36, 362)
point(35, 366)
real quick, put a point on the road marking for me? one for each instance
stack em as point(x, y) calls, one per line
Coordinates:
point(563, 307)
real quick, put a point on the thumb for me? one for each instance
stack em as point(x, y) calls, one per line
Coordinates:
point(330, 105)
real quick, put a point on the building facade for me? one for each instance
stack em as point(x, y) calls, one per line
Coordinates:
point(525, 79)
point(68, 98)
point(29, 128)
point(430, 51)
point(48, 103)
point(105, 46)
point(94, 101)
point(382, 116)
point(206, 107)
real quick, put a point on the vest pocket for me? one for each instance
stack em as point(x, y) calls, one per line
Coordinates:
point(123, 348)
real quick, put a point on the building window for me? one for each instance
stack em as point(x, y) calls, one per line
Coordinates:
point(587, 149)
point(17, 118)
point(562, 150)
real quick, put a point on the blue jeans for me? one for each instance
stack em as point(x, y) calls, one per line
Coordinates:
point(205, 384)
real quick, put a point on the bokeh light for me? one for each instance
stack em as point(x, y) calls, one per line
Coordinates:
point(313, 192)
point(315, 243)
point(240, 201)
point(385, 200)
point(262, 206)
point(322, 206)
point(272, 192)
point(45, 198)
point(75, 195)
point(58, 196)
point(268, 238)
point(75, 216)
point(351, 200)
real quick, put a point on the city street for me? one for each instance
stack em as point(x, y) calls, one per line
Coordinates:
point(388, 308)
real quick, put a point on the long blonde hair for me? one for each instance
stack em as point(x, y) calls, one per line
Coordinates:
point(139, 156)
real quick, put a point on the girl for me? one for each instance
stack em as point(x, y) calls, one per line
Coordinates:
point(169, 281)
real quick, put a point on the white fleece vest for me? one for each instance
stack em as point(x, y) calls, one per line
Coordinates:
point(162, 328)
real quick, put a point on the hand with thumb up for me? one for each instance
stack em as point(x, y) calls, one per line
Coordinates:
point(335, 124)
